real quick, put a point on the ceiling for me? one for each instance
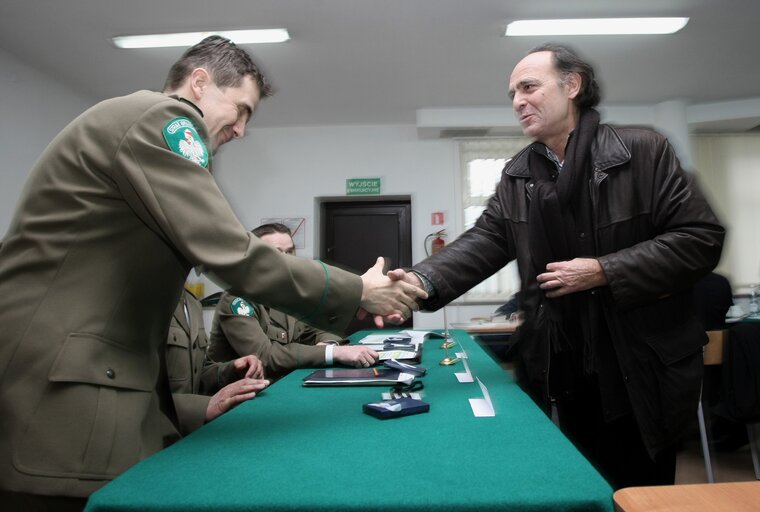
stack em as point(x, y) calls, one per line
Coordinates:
point(379, 61)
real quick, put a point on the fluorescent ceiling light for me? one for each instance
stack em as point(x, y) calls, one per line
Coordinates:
point(595, 26)
point(268, 35)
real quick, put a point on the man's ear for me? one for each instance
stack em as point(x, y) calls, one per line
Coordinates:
point(573, 85)
point(200, 80)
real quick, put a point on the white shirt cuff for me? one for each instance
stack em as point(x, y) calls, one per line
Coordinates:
point(329, 355)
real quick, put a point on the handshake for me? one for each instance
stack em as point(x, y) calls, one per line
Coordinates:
point(390, 297)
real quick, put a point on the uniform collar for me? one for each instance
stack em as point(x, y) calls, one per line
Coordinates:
point(187, 102)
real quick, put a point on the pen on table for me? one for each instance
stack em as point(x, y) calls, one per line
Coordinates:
point(374, 370)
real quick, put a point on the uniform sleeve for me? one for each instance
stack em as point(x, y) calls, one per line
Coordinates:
point(181, 202)
point(191, 411)
point(308, 335)
point(248, 335)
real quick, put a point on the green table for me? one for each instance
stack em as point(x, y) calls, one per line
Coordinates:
point(312, 449)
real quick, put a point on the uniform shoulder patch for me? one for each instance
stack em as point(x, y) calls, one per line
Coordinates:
point(182, 137)
point(241, 307)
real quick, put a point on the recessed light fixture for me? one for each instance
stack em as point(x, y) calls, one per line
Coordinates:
point(267, 35)
point(595, 26)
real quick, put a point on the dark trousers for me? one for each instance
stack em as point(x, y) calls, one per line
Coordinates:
point(22, 502)
point(615, 448)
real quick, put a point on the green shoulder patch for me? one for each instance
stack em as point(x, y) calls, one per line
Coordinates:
point(182, 137)
point(241, 307)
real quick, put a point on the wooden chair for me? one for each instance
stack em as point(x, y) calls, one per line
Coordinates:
point(713, 355)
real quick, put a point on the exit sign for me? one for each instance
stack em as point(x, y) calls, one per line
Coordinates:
point(362, 186)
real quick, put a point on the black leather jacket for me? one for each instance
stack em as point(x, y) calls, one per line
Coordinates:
point(655, 236)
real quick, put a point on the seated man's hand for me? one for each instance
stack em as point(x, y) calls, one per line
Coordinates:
point(384, 296)
point(249, 367)
point(355, 355)
point(233, 394)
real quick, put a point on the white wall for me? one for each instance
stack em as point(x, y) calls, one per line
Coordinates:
point(729, 171)
point(33, 109)
point(278, 172)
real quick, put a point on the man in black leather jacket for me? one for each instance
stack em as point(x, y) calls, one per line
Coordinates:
point(609, 234)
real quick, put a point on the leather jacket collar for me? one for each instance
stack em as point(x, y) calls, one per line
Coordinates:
point(607, 150)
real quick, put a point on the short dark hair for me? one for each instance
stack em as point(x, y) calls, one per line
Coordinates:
point(567, 61)
point(268, 229)
point(226, 62)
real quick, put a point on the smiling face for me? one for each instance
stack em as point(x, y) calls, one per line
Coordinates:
point(543, 104)
point(226, 111)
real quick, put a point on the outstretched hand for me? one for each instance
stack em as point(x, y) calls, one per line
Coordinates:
point(384, 296)
point(233, 394)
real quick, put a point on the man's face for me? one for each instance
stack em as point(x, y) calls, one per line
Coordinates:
point(281, 241)
point(542, 105)
point(227, 111)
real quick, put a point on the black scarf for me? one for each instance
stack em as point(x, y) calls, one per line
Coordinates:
point(560, 229)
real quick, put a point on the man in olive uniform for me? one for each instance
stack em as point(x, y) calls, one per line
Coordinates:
point(116, 211)
point(193, 380)
point(281, 342)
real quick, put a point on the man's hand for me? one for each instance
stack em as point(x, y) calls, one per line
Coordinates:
point(233, 394)
point(249, 367)
point(408, 277)
point(355, 355)
point(384, 296)
point(576, 275)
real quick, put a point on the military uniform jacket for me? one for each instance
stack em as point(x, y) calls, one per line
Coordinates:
point(109, 224)
point(281, 342)
point(192, 378)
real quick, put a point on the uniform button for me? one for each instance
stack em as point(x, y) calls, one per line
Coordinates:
point(625, 378)
point(110, 373)
point(581, 235)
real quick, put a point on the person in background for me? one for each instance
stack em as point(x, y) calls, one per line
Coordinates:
point(203, 390)
point(281, 341)
point(610, 234)
point(713, 298)
point(115, 212)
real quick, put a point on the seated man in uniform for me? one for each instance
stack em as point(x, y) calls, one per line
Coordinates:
point(279, 340)
point(203, 391)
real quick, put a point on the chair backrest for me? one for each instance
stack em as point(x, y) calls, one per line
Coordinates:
point(713, 352)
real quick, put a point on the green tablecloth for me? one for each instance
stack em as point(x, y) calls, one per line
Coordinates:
point(296, 448)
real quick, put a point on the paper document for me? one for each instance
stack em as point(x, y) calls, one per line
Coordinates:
point(466, 375)
point(482, 407)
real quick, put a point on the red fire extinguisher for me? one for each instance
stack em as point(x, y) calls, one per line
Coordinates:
point(437, 243)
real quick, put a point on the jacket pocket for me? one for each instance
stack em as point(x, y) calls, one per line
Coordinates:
point(677, 368)
point(669, 328)
point(178, 355)
point(87, 422)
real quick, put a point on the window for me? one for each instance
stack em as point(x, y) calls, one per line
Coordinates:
point(482, 161)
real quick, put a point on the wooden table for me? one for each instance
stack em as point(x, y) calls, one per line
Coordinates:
point(487, 327)
point(728, 497)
